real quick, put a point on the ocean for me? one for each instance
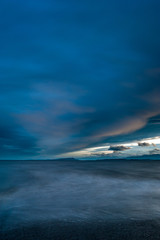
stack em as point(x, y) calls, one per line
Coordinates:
point(107, 199)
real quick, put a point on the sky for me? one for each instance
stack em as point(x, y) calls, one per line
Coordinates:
point(79, 79)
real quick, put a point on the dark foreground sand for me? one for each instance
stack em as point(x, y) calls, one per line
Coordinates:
point(129, 230)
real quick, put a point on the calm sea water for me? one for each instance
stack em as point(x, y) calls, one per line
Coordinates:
point(78, 191)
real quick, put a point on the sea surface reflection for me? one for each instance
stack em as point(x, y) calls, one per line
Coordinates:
point(32, 191)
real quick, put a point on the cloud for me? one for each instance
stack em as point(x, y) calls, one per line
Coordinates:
point(155, 151)
point(146, 144)
point(101, 154)
point(118, 148)
point(15, 141)
point(153, 144)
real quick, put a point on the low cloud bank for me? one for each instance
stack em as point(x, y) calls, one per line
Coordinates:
point(118, 148)
point(146, 144)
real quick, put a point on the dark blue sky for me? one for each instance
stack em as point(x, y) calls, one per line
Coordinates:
point(77, 74)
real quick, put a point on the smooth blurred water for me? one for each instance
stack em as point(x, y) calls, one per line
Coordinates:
point(32, 191)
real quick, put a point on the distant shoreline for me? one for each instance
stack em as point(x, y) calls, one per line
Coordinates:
point(83, 160)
